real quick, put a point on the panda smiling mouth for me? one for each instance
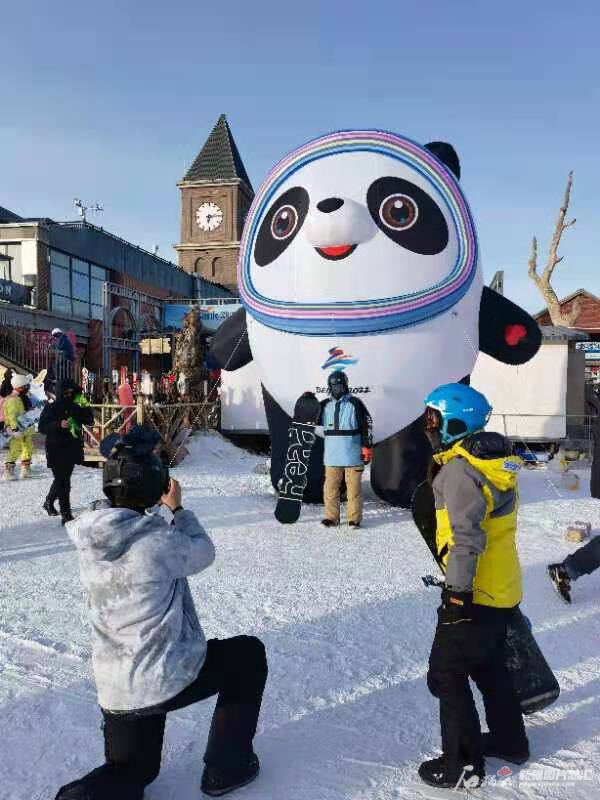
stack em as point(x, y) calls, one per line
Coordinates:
point(337, 252)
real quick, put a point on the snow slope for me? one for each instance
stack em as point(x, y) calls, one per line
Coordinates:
point(347, 624)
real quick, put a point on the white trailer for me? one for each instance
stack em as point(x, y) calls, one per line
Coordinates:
point(542, 399)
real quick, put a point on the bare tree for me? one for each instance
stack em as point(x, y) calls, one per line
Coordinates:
point(543, 281)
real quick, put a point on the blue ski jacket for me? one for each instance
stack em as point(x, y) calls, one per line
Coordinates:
point(347, 428)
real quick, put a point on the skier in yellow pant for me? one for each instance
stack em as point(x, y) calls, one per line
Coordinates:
point(20, 446)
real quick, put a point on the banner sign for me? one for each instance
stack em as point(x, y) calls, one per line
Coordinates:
point(15, 293)
point(591, 350)
point(211, 316)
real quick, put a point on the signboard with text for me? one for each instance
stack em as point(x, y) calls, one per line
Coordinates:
point(211, 316)
point(15, 293)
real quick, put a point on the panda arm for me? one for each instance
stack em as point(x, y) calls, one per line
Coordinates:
point(230, 348)
point(506, 332)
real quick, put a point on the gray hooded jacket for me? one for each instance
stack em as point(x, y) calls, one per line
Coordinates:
point(147, 643)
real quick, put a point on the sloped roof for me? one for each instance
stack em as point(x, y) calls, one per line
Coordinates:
point(9, 216)
point(568, 298)
point(219, 159)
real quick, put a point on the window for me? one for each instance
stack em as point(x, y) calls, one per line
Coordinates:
point(98, 272)
point(59, 280)
point(81, 309)
point(59, 258)
point(96, 292)
point(61, 304)
point(11, 270)
point(80, 266)
point(97, 312)
point(81, 287)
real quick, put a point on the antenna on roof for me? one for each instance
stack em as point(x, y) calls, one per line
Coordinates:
point(82, 209)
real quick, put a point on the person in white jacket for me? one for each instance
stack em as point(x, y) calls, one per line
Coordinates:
point(149, 652)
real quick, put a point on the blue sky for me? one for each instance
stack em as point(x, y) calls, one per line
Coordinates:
point(111, 101)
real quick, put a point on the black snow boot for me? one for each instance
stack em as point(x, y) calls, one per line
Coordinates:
point(67, 517)
point(441, 773)
point(560, 580)
point(514, 754)
point(217, 782)
point(328, 523)
point(354, 524)
point(48, 506)
point(102, 783)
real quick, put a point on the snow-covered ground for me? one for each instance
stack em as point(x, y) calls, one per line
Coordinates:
point(347, 624)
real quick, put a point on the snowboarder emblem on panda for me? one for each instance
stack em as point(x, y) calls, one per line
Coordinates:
point(363, 242)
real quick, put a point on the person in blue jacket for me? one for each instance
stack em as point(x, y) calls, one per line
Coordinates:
point(347, 428)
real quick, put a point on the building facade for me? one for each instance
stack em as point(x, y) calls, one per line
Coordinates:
point(216, 194)
point(56, 274)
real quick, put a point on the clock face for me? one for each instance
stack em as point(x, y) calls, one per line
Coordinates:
point(209, 216)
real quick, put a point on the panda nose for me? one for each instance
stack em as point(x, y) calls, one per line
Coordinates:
point(330, 204)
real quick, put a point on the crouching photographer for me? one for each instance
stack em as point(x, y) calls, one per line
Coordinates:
point(150, 655)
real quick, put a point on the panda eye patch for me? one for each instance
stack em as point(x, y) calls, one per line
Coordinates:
point(408, 215)
point(280, 225)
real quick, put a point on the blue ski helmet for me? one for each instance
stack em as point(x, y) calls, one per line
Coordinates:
point(463, 410)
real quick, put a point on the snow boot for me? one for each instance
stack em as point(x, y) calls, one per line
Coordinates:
point(441, 773)
point(9, 472)
point(49, 508)
point(67, 517)
point(25, 469)
point(560, 580)
point(101, 783)
point(493, 748)
point(328, 523)
point(217, 782)
point(354, 524)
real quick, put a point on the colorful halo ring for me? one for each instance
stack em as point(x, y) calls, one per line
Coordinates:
point(361, 317)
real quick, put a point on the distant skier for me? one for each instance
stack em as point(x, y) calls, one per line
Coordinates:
point(148, 649)
point(583, 561)
point(20, 445)
point(347, 427)
point(61, 423)
point(474, 481)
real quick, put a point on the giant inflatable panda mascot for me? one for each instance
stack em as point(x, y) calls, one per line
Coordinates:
point(360, 252)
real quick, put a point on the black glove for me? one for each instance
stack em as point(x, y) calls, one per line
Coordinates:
point(457, 607)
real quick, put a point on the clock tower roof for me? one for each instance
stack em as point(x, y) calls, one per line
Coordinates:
point(219, 159)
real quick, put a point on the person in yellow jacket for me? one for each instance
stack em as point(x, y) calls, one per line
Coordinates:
point(20, 446)
point(475, 487)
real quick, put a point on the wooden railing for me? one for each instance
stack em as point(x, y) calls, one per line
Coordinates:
point(174, 423)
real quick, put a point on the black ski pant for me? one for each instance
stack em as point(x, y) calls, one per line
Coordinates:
point(474, 650)
point(234, 669)
point(61, 486)
point(584, 560)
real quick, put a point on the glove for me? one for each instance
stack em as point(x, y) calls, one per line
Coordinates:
point(456, 608)
point(366, 455)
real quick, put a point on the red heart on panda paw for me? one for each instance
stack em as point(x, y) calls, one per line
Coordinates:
point(513, 334)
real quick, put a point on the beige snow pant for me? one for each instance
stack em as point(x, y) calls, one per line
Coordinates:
point(333, 480)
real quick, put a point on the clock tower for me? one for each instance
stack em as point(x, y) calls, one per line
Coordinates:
point(215, 197)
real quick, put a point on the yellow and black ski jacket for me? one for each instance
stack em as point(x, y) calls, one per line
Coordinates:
point(476, 500)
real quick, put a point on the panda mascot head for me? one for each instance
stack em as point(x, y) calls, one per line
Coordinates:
point(360, 253)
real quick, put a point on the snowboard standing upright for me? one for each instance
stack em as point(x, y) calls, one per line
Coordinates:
point(534, 681)
point(301, 437)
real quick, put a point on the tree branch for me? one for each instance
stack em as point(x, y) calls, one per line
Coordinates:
point(543, 281)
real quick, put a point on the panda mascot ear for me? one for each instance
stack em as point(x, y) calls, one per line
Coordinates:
point(446, 154)
point(506, 332)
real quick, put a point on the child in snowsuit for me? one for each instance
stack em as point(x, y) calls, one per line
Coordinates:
point(149, 652)
point(20, 446)
point(347, 429)
point(583, 561)
point(476, 499)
